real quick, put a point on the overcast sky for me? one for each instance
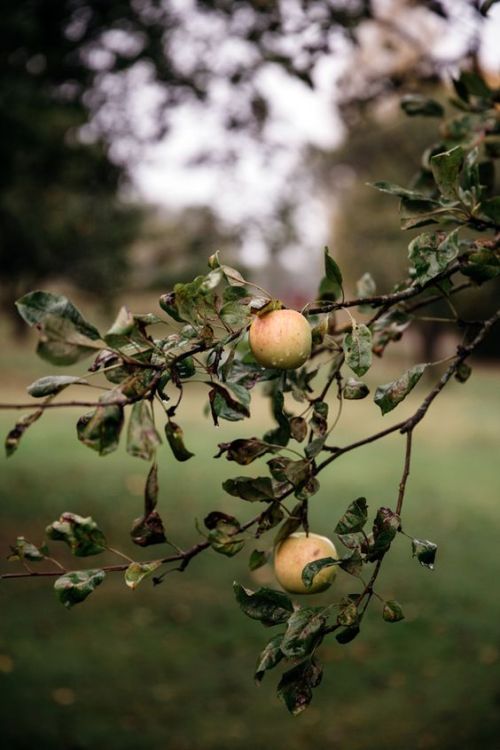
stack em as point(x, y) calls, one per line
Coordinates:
point(258, 178)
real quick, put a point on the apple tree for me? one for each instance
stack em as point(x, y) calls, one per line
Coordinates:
point(233, 337)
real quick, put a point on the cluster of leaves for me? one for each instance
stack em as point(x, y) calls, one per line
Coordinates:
point(207, 343)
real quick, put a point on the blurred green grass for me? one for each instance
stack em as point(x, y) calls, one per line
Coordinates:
point(171, 667)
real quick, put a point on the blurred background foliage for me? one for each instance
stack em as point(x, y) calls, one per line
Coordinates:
point(173, 668)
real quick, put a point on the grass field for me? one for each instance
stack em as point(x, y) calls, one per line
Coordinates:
point(170, 668)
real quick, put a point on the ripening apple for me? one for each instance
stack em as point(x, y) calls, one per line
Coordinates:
point(281, 339)
point(294, 553)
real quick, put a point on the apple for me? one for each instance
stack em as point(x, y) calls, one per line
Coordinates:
point(281, 339)
point(294, 553)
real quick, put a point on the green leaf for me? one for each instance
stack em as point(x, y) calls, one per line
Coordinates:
point(446, 168)
point(149, 529)
point(463, 372)
point(270, 518)
point(175, 437)
point(296, 685)
point(82, 535)
point(348, 635)
point(52, 384)
point(331, 285)
point(353, 563)
point(66, 337)
point(431, 256)
point(100, 429)
point(348, 613)
point(74, 587)
point(385, 526)
point(269, 657)
point(304, 632)
point(258, 558)
point(388, 396)
point(365, 287)
point(392, 611)
point(354, 518)
point(355, 389)
point(24, 550)
point(482, 265)
point(142, 437)
point(425, 552)
point(266, 605)
point(358, 349)
point(244, 451)
point(137, 572)
point(491, 208)
point(416, 104)
point(296, 472)
point(223, 529)
point(311, 569)
point(223, 405)
point(400, 192)
point(280, 435)
point(257, 489)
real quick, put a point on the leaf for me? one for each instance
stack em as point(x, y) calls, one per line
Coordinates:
point(82, 535)
point(142, 436)
point(311, 569)
point(148, 529)
point(348, 635)
point(416, 104)
point(385, 526)
point(24, 550)
point(245, 451)
point(284, 469)
point(388, 396)
point(482, 265)
point(266, 605)
point(365, 287)
point(491, 208)
point(353, 563)
point(463, 372)
point(280, 435)
point(354, 518)
point(446, 169)
point(258, 489)
point(74, 587)
point(223, 405)
point(430, 257)
point(355, 390)
point(331, 285)
point(270, 518)
point(304, 632)
point(400, 192)
point(100, 429)
point(175, 437)
point(269, 657)
point(223, 529)
point(296, 685)
point(16, 433)
point(392, 611)
point(358, 349)
point(52, 384)
point(137, 572)
point(348, 613)
point(298, 428)
point(66, 337)
point(258, 558)
point(425, 552)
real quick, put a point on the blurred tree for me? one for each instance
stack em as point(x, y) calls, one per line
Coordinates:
point(72, 74)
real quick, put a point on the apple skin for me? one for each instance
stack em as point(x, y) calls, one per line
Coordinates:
point(294, 553)
point(281, 339)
